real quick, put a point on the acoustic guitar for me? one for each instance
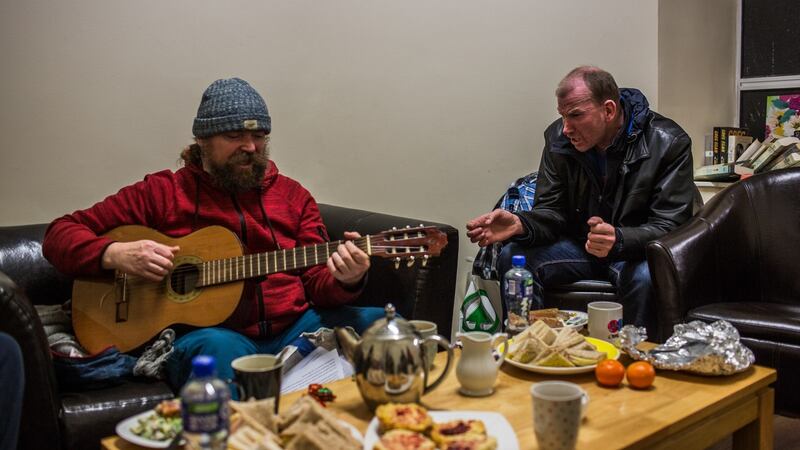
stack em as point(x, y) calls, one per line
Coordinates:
point(207, 280)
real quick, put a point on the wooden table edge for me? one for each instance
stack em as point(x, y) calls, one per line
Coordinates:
point(747, 415)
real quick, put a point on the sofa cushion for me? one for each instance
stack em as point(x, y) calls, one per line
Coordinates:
point(89, 416)
point(777, 322)
point(576, 296)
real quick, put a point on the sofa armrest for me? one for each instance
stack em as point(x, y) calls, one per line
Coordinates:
point(678, 270)
point(417, 292)
point(39, 426)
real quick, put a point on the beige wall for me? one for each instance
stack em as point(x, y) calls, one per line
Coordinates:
point(697, 66)
point(417, 108)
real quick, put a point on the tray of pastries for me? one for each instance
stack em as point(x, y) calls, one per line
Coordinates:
point(401, 426)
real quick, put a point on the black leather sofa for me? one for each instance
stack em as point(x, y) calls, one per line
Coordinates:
point(737, 260)
point(54, 418)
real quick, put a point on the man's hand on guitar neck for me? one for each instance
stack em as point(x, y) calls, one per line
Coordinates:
point(349, 263)
point(145, 258)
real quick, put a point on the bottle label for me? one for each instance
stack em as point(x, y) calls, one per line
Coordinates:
point(205, 417)
point(528, 288)
point(524, 289)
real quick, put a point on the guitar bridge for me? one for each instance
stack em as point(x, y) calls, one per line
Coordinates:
point(121, 297)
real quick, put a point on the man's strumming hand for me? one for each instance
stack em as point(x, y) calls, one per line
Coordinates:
point(145, 258)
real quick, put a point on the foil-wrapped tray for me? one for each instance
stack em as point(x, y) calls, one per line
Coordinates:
point(696, 347)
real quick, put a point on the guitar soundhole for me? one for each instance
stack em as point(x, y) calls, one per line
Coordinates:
point(184, 279)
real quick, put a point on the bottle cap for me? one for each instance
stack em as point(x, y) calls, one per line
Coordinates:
point(203, 365)
point(518, 260)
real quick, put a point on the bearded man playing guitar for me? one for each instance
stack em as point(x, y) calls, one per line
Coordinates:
point(227, 180)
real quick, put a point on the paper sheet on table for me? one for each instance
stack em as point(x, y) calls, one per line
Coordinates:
point(320, 366)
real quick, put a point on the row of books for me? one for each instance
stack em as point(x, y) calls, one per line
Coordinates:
point(772, 154)
point(727, 143)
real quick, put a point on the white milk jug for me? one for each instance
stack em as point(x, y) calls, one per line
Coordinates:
point(477, 368)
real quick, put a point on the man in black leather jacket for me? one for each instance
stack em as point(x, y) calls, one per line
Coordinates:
point(614, 175)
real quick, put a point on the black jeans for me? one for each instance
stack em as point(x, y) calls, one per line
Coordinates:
point(12, 387)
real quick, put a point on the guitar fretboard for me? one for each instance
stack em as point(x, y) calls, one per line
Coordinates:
point(221, 271)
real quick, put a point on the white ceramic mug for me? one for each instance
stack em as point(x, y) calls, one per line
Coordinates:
point(426, 328)
point(558, 407)
point(605, 320)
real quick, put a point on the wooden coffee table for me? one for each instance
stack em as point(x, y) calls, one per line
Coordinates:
point(679, 411)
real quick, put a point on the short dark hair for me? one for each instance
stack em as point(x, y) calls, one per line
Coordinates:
point(600, 83)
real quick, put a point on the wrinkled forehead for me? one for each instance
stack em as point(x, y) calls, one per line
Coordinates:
point(577, 98)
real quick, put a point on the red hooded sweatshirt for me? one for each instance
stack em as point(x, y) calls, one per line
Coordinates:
point(177, 203)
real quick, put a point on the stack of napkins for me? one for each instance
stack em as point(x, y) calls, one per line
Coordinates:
point(320, 366)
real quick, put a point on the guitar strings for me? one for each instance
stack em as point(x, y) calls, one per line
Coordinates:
point(246, 260)
point(140, 285)
point(241, 262)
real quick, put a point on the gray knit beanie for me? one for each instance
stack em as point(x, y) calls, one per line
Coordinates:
point(230, 105)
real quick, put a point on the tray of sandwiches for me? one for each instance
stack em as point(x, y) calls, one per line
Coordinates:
point(542, 349)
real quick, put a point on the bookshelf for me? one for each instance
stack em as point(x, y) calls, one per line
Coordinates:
point(709, 189)
point(767, 89)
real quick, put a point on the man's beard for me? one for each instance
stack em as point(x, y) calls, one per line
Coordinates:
point(234, 178)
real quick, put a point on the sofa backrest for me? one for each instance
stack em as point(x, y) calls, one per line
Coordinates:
point(756, 229)
point(21, 259)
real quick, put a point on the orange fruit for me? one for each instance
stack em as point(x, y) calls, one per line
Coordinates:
point(641, 374)
point(609, 372)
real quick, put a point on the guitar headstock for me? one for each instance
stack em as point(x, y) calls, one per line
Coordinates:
point(409, 243)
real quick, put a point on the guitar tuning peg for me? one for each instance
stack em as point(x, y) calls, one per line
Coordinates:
point(397, 263)
point(410, 261)
point(424, 260)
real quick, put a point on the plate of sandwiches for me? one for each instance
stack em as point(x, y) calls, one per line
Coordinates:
point(400, 426)
point(542, 349)
point(557, 318)
point(305, 425)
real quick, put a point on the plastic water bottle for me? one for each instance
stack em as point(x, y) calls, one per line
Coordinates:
point(204, 407)
point(518, 295)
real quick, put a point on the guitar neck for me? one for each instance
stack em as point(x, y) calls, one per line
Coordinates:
point(239, 268)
